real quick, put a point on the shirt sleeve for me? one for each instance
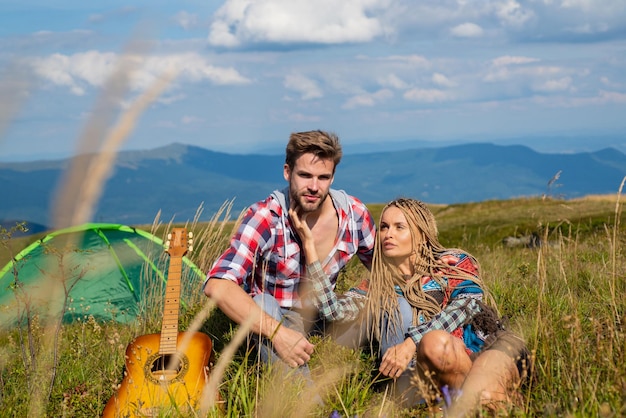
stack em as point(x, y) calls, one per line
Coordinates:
point(250, 239)
point(450, 318)
point(366, 230)
point(332, 307)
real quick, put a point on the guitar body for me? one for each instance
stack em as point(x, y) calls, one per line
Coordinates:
point(155, 383)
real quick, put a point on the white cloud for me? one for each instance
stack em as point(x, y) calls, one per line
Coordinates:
point(552, 85)
point(194, 67)
point(610, 83)
point(220, 35)
point(368, 99)
point(359, 101)
point(426, 95)
point(76, 71)
point(412, 60)
point(588, 28)
point(171, 98)
point(512, 60)
point(186, 20)
point(602, 98)
point(592, 10)
point(393, 81)
point(585, 5)
point(307, 87)
point(91, 69)
point(513, 14)
point(467, 30)
point(612, 97)
point(442, 80)
point(508, 73)
point(295, 21)
point(504, 67)
point(187, 120)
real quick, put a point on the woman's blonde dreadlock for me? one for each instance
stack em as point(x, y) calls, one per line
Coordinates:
point(382, 296)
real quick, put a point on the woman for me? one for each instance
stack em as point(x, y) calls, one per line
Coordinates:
point(426, 308)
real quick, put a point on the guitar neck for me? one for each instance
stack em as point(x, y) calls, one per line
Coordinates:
point(169, 328)
point(171, 306)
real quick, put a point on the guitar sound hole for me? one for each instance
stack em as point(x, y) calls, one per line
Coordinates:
point(166, 367)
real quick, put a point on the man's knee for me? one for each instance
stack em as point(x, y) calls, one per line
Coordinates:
point(434, 345)
point(442, 351)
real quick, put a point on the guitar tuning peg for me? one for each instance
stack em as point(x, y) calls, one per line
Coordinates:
point(190, 249)
point(167, 244)
point(169, 236)
point(190, 234)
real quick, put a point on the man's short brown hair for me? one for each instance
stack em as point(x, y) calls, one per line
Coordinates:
point(322, 144)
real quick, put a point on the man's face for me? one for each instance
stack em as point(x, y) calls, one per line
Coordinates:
point(309, 181)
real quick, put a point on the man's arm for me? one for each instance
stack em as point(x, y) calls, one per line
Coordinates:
point(291, 346)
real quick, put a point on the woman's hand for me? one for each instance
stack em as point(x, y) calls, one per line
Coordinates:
point(304, 232)
point(397, 358)
point(300, 225)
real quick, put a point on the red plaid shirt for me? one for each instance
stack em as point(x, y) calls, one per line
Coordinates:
point(264, 254)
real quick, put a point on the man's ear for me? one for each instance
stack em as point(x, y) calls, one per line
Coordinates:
point(286, 172)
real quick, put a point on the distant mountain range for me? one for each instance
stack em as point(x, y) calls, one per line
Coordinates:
point(177, 179)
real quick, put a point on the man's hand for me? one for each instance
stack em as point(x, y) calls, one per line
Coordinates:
point(292, 347)
point(397, 358)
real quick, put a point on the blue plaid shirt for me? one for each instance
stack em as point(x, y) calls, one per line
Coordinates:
point(459, 305)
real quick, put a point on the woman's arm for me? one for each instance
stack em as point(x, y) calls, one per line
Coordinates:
point(455, 314)
point(330, 306)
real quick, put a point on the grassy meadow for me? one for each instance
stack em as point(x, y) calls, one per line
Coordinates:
point(564, 295)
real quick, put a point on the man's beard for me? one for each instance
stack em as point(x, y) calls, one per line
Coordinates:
point(305, 206)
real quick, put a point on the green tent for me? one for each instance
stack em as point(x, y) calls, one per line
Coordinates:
point(104, 270)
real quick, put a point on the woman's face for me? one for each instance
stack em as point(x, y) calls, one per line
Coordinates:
point(396, 239)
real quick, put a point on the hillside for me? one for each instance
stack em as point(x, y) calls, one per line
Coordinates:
point(178, 179)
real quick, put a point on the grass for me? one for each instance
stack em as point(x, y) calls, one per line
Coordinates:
point(565, 297)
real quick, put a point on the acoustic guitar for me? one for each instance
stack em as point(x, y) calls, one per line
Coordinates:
point(167, 371)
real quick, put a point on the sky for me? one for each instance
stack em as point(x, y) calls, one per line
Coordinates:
point(239, 76)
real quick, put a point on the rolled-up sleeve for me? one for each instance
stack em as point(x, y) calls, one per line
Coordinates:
point(332, 307)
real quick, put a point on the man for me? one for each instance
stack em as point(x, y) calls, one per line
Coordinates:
point(265, 254)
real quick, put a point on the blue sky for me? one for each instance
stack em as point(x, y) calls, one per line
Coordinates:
point(247, 73)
